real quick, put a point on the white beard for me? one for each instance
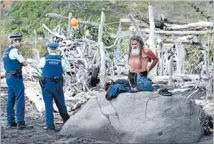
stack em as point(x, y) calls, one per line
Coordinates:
point(135, 51)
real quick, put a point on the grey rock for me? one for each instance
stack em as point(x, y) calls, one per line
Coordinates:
point(144, 117)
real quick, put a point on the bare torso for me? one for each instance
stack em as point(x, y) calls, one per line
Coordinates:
point(138, 64)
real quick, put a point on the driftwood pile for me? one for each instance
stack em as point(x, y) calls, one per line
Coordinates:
point(184, 50)
point(174, 71)
point(83, 56)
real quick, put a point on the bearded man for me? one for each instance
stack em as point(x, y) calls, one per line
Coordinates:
point(139, 58)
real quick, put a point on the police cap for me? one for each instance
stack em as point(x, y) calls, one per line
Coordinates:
point(52, 45)
point(15, 37)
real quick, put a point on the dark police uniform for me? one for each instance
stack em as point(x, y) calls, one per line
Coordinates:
point(52, 86)
point(13, 59)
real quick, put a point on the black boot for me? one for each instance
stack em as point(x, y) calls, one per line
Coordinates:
point(52, 129)
point(11, 125)
point(24, 126)
point(164, 92)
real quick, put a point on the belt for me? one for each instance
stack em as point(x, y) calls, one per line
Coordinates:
point(55, 79)
point(141, 73)
point(144, 74)
point(15, 74)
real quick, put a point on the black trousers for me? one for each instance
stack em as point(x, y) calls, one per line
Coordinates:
point(133, 77)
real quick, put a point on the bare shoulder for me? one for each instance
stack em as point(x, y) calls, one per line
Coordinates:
point(149, 53)
point(146, 50)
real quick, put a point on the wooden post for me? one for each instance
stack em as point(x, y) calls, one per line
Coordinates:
point(102, 51)
point(213, 61)
point(182, 57)
point(100, 33)
point(161, 57)
point(152, 29)
point(166, 61)
point(119, 41)
point(152, 36)
point(138, 31)
point(170, 71)
point(179, 58)
point(206, 57)
point(213, 64)
point(69, 25)
point(210, 82)
point(35, 40)
point(35, 51)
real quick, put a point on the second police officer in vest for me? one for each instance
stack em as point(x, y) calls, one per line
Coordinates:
point(13, 62)
point(53, 67)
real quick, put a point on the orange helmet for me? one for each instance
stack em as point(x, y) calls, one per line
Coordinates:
point(74, 22)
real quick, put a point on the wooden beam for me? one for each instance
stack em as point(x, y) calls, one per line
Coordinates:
point(161, 32)
point(198, 25)
point(131, 17)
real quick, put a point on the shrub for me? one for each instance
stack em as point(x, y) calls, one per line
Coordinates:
point(26, 47)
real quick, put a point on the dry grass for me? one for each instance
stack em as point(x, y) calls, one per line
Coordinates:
point(6, 4)
point(4, 42)
point(26, 48)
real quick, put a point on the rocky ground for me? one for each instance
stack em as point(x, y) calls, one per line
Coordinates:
point(40, 136)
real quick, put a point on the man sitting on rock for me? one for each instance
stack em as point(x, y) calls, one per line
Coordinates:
point(139, 57)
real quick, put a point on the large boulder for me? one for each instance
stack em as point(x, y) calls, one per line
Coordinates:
point(144, 117)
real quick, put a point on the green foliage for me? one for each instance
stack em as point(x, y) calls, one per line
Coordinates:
point(26, 49)
point(193, 55)
point(42, 50)
point(27, 16)
point(124, 45)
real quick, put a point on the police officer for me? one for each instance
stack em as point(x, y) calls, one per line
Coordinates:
point(13, 62)
point(53, 67)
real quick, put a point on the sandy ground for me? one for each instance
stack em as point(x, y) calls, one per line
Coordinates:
point(36, 135)
point(40, 136)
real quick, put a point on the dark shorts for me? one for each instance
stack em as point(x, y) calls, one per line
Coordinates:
point(133, 77)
